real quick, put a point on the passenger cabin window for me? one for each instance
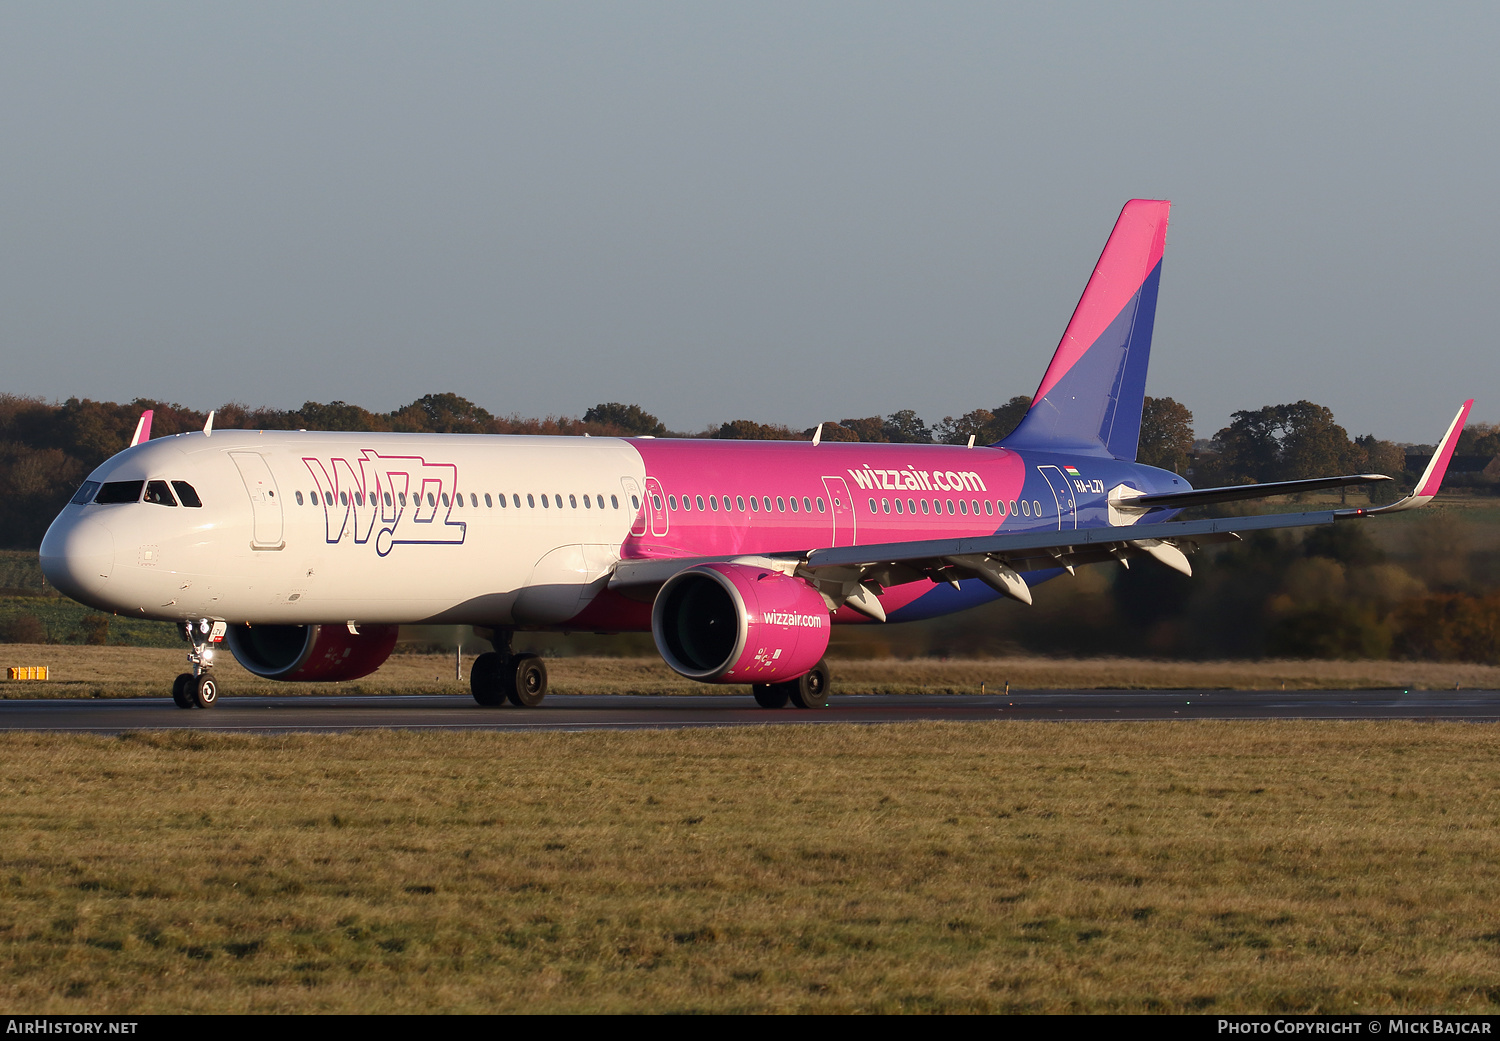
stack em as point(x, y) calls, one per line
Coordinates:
point(299, 498)
point(85, 493)
point(157, 492)
point(114, 492)
point(614, 500)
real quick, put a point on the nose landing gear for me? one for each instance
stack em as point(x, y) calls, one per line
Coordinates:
point(499, 676)
point(199, 689)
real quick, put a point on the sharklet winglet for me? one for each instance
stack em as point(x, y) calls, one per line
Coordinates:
point(1432, 477)
point(142, 429)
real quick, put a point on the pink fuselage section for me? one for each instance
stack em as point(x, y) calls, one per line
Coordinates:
point(717, 498)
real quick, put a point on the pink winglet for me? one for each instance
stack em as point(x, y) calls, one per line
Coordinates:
point(142, 429)
point(1432, 479)
point(1134, 249)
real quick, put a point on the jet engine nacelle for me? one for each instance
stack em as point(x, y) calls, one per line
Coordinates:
point(734, 623)
point(311, 653)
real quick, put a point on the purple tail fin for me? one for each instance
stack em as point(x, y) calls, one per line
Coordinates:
point(1090, 399)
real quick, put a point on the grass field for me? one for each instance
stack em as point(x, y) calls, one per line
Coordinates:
point(927, 867)
point(79, 671)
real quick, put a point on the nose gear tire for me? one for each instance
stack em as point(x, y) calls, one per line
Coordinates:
point(204, 691)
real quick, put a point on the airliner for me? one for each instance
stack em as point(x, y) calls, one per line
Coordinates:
point(305, 551)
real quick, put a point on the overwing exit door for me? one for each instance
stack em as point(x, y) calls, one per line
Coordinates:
point(839, 501)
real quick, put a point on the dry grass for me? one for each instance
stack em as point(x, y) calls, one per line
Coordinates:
point(926, 867)
point(148, 672)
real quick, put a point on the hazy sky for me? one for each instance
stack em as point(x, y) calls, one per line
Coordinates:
point(785, 212)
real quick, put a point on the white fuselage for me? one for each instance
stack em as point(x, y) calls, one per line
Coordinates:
point(407, 528)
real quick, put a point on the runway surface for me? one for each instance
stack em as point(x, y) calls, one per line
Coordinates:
point(595, 712)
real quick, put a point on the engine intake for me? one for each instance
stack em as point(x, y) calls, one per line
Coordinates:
point(733, 623)
point(310, 653)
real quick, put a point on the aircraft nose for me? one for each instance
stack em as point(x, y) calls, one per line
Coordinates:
point(77, 557)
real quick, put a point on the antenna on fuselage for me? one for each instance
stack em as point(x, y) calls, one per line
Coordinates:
point(208, 427)
point(818, 434)
point(971, 440)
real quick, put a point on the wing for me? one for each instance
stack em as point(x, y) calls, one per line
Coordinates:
point(856, 575)
point(1234, 492)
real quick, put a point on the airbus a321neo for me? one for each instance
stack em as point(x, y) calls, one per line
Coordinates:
point(305, 551)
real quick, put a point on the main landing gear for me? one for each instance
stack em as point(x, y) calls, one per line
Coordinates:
point(809, 691)
point(499, 676)
point(199, 689)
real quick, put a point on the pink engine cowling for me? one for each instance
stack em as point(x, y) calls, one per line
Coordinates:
point(311, 653)
point(733, 623)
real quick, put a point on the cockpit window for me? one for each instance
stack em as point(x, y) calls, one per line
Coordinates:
point(186, 493)
point(157, 492)
point(119, 491)
point(85, 493)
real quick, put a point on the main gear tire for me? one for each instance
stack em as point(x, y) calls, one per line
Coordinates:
point(490, 679)
point(772, 695)
point(530, 678)
point(812, 690)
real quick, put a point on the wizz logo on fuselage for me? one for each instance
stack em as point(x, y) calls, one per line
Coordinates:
point(396, 499)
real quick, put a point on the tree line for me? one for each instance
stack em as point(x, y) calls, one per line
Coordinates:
point(46, 449)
